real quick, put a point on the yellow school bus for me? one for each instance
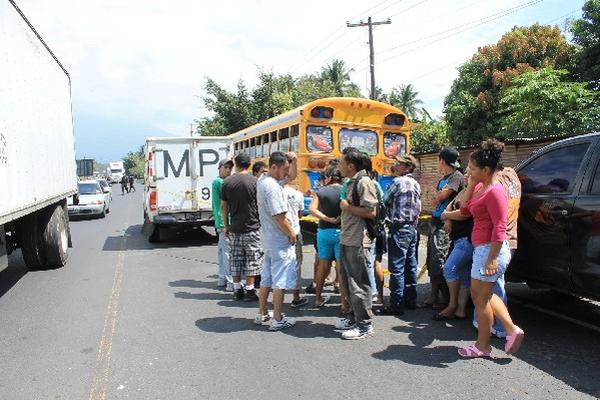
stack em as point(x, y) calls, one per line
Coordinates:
point(321, 130)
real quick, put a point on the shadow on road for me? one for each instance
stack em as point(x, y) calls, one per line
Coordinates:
point(13, 273)
point(173, 238)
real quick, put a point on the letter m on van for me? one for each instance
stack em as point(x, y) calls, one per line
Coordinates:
point(168, 164)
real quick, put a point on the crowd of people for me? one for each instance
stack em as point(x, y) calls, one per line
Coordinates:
point(471, 236)
point(127, 184)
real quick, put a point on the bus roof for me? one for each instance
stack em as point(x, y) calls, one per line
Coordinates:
point(304, 109)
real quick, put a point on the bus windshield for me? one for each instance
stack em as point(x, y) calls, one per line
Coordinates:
point(318, 139)
point(363, 140)
point(394, 144)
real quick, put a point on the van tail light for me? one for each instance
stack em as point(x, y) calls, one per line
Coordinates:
point(150, 169)
point(153, 198)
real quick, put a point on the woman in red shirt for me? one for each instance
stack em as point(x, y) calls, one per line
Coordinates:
point(487, 202)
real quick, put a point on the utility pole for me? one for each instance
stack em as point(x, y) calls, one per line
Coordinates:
point(370, 24)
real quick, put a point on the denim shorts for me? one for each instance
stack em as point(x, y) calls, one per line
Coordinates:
point(480, 255)
point(328, 244)
point(279, 268)
point(458, 263)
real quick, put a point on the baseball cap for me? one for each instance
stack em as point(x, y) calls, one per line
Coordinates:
point(225, 162)
point(450, 156)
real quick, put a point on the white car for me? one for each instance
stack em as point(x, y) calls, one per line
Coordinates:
point(107, 189)
point(92, 200)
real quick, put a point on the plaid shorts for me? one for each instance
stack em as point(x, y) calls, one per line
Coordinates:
point(246, 254)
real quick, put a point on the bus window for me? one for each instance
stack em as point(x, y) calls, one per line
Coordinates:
point(259, 152)
point(318, 139)
point(394, 144)
point(265, 145)
point(236, 146)
point(284, 141)
point(274, 147)
point(294, 139)
point(252, 148)
point(363, 140)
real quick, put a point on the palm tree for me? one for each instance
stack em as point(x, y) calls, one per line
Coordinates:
point(406, 98)
point(338, 75)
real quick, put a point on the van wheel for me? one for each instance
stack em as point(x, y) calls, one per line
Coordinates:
point(56, 238)
point(156, 236)
point(31, 241)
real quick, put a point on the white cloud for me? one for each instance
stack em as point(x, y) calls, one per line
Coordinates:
point(148, 60)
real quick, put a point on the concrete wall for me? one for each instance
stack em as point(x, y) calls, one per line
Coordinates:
point(514, 153)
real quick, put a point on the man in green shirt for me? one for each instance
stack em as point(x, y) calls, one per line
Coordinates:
point(225, 281)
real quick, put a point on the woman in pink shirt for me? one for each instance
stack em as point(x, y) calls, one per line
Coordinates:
point(487, 202)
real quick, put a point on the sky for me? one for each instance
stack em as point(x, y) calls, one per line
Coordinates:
point(138, 67)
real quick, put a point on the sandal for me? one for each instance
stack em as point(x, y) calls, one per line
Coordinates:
point(473, 352)
point(513, 341)
point(324, 300)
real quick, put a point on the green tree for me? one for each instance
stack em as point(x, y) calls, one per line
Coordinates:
point(586, 34)
point(428, 136)
point(338, 75)
point(133, 162)
point(540, 104)
point(407, 99)
point(471, 106)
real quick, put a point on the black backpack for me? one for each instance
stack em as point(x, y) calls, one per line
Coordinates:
point(375, 227)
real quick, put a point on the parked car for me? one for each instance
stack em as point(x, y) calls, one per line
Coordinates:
point(91, 200)
point(559, 218)
point(107, 189)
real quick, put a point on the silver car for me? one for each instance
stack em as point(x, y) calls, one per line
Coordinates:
point(92, 200)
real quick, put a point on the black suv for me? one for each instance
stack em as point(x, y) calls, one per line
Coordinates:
point(559, 218)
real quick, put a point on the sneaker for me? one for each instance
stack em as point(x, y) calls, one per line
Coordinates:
point(251, 295)
point(344, 324)
point(311, 289)
point(261, 319)
point(357, 333)
point(302, 301)
point(285, 322)
point(238, 294)
point(229, 287)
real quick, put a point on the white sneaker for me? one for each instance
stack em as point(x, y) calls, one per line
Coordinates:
point(285, 322)
point(358, 332)
point(261, 319)
point(344, 324)
point(229, 287)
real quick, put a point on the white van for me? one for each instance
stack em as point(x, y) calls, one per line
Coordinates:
point(178, 177)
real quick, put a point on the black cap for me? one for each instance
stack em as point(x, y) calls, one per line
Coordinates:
point(225, 162)
point(450, 156)
point(242, 160)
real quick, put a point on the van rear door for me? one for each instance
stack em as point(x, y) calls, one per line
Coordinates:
point(173, 176)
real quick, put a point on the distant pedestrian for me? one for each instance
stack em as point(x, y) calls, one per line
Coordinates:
point(355, 246)
point(279, 241)
point(124, 185)
point(487, 202)
point(403, 204)
point(224, 281)
point(240, 222)
point(131, 183)
point(438, 243)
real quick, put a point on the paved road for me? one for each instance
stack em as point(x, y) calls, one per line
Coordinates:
point(129, 320)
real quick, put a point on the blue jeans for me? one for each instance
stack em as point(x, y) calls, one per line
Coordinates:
point(223, 253)
point(458, 264)
point(371, 270)
point(402, 248)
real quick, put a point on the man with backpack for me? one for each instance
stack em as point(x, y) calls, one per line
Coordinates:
point(355, 245)
point(403, 204)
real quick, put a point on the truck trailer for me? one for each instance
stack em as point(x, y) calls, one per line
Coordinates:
point(37, 145)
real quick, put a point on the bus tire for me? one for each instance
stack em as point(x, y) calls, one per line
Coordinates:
point(155, 237)
point(56, 238)
point(31, 241)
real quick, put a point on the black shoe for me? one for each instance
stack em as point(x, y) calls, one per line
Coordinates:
point(310, 289)
point(410, 306)
point(238, 294)
point(251, 295)
point(397, 311)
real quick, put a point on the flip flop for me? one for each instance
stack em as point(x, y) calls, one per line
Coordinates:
point(324, 301)
point(513, 342)
point(473, 352)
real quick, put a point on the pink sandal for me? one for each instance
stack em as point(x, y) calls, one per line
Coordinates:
point(513, 341)
point(473, 352)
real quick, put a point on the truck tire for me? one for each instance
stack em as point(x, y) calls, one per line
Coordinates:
point(155, 237)
point(31, 241)
point(56, 237)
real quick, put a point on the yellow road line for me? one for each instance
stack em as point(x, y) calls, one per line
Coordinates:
point(102, 369)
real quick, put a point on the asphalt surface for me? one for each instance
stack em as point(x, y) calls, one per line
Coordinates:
point(126, 319)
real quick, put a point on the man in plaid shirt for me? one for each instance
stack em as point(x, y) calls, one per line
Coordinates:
point(403, 203)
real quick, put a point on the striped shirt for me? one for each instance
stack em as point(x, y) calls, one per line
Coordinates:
point(403, 200)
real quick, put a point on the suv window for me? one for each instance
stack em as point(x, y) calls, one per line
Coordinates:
point(554, 171)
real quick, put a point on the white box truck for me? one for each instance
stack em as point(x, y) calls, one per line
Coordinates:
point(37, 145)
point(117, 169)
point(178, 177)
